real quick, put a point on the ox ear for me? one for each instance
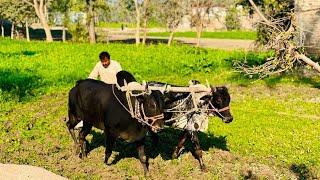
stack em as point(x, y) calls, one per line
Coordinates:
point(223, 88)
point(213, 89)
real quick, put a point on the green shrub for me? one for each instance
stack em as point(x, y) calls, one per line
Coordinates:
point(79, 32)
point(232, 19)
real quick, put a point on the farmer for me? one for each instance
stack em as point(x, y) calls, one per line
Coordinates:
point(106, 69)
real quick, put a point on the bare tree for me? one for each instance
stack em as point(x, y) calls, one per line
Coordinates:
point(198, 11)
point(40, 10)
point(12, 30)
point(91, 24)
point(1, 21)
point(2, 27)
point(145, 20)
point(63, 7)
point(173, 11)
point(18, 13)
point(93, 7)
point(137, 7)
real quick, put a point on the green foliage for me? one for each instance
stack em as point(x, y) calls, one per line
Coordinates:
point(16, 11)
point(215, 35)
point(63, 7)
point(232, 19)
point(78, 31)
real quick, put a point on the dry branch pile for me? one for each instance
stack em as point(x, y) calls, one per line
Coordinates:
point(283, 33)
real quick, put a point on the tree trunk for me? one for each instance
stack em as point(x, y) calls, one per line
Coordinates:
point(144, 31)
point(40, 8)
point(138, 22)
point(45, 10)
point(92, 35)
point(12, 30)
point(17, 34)
point(308, 61)
point(170, 38)
point(27, 31)
point(145, 21)
point(63, 34)
point(2, 29)
point(199, 31)
point(46, 29)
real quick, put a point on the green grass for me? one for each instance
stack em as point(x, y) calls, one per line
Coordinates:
point(251, 35)
point(115, 25)
point(275, 132)
point(127, 25)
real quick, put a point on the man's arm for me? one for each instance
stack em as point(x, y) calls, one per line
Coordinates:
point(118, 67)
point(94, 73)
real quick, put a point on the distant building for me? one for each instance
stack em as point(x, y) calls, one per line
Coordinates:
point(215, 20)
point(308, 16)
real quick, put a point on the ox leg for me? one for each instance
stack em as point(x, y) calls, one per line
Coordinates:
point(197, 149)
point(182, 140)
point(109, 143)
point(71, 123)
point(142, 156)
point(82, 139)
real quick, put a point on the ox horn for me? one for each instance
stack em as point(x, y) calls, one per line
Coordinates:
point(207, 83)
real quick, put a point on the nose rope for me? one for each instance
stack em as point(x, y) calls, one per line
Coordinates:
point(219, 110)
point(145, 119)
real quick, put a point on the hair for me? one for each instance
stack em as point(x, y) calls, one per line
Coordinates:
point(103, 55)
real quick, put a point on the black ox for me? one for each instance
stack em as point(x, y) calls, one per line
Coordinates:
point(216, 103)
point(105, 107)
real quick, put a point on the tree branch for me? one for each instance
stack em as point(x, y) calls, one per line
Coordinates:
point(259, 13)
point(308, 61)
point(28, 2)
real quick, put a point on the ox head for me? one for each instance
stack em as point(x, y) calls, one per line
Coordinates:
point(219, 100)
point(151, 104)
point(152, 113)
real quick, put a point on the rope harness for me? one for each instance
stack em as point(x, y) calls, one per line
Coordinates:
point(183, 112)
point(137, 112)
point(186, 108)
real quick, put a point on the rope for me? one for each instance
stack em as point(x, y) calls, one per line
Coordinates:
point(180, 104)
point(135, 113)
point(179, 117)
point(130, 104)
point(114, 94)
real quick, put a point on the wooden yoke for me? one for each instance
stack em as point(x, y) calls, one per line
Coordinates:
point(134, 86)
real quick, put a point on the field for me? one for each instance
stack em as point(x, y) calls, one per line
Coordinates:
point(275, 133)
point(216, 35)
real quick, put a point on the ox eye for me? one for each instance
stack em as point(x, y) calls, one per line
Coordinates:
point(219, 101)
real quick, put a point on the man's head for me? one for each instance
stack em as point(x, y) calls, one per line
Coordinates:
point(104, 58)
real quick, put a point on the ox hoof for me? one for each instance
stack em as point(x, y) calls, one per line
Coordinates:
point(106, 163)
point(147, 175)
point(175, 155)
point(204, 169)
point(82, 155)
